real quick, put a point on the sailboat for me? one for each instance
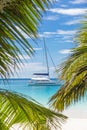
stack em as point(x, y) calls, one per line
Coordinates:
point(42, 79)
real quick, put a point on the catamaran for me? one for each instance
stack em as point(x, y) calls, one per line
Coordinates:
point(42, 79)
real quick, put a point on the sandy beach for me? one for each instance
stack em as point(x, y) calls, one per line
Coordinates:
point(71, 124)
point(77, 120)
point(75, 124)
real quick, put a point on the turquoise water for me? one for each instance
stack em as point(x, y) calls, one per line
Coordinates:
point(41, 94)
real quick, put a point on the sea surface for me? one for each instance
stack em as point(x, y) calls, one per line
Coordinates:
point(42, 94)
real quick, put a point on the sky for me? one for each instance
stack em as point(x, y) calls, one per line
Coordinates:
point(59, 26)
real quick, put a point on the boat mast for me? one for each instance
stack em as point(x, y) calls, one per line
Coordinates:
point(46, 56)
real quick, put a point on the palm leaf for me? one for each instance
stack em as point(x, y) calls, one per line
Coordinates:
point(73, 73)
point(15, 109)
point(18, 17)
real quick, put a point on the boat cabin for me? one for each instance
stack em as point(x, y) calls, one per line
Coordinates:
point(41, 77)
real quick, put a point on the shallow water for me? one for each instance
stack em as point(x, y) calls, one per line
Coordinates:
point(42, 94)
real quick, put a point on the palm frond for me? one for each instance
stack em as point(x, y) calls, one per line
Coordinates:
point(73, 74)
point(17, 19)
point(15, 109)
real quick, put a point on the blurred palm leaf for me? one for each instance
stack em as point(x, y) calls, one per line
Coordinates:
point(15, 108)
point(17, 19)
point(73, 73)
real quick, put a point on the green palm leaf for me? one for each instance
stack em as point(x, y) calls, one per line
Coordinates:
point(15, 108)
point(18, 18)
point(74, 74)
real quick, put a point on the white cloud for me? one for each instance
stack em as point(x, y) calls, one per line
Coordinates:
point(27, 69)
point(61, 32)
point(26, 57)
point(37, 49)
point(67, 37)
point(53, 18)
point(65, 32)
point(78, 1)
point(73, 22)
point(68, 11)
point(62, 5)
point(58, 32)
point(76, 20)
point(50, 33)
point(34, 66)
point(65, 51)
point(68, 40)
point(57, 0)
point(43, 35)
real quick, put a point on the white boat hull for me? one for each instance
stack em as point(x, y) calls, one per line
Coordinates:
point(43, 83)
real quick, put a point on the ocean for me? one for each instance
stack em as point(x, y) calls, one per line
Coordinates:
point(42, 94)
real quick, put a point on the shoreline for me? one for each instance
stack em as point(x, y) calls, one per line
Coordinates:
point(77, 120)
